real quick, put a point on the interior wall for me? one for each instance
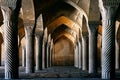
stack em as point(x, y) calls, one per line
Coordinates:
point(63, 53)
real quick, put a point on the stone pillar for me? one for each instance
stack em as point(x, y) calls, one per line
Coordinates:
point(10, 14)
point(80, 55)
point(48, 50)
point(75, 56)
point(84, 52)
point(23, 56)
point(93, 47)
point(48, 55)
point(0, 53)
point(51, 51)
point(108, 11)
point(44, 50)
point(117, 55)
point(39, 38)
point(29, 47)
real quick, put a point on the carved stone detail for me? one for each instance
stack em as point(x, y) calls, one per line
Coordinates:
point(11, 42)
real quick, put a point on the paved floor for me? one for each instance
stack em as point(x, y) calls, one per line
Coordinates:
point(58, 73)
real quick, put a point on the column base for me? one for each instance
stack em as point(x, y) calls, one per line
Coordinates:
point(11, 75)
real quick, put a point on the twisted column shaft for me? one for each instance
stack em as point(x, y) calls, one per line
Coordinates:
point(11, 41)
point(108, 10)
point(93, 47)
point(29, 47)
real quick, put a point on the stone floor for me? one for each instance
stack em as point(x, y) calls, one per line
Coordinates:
point(58, 73)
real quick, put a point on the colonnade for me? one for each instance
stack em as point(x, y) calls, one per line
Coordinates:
point(85, 49)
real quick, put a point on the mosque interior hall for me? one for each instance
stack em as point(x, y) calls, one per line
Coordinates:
point(60, 39)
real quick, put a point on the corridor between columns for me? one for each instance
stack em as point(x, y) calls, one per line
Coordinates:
point(60, 39)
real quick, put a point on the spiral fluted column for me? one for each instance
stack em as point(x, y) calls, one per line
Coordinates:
point(39, 38)
point(29, 47)
point(10, 14)
point(84, 52)
point(23, 56)
point(108, 11)
point(93, 47)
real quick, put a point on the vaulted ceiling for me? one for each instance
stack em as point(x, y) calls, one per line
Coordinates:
point(66, 18)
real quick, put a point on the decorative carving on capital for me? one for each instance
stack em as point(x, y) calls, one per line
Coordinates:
point(39, 24)
point(93, 26)
point(111, 2)
point(7, 13)
point(85, 36)
point(29, 28)
point(45, 37)
point(108, 8)
point(10, 3)
point(38, 34)
point(49, 39)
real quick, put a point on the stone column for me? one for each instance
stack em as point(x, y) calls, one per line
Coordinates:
point(117, 55)
point(29, 47)
point(75, 56)
point(84, 52)
point(23, 56)
point(44, 50)
point(39, 38)
point(51, 51)
point(48, 55)
point(80, 55)
point(48, 50)
point(0, 53)
point(93, 47)
point(108, 11)
point(10, 14)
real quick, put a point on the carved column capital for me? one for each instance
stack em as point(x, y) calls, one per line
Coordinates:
point(45, 37)
point(29, 28)
point(108, 8)
point(93, 26)
point(7, 13)
point(85, 36)
point(38, 34)
point(10, 3)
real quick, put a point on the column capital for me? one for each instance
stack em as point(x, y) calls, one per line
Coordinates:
point(109, 2)
point(108, 8)
point(29, 26)
point(93, 26)
point(7, 13)
point(45, 36)
point(85, 35)
point(9, 3)
point(38, 34)
point(29, 23)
